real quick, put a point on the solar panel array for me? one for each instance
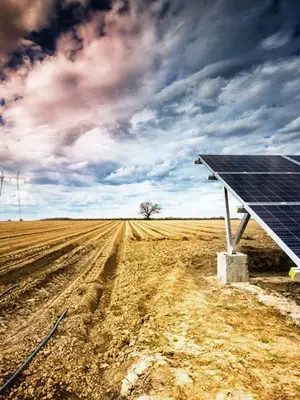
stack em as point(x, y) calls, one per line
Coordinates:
point(260, 188)
point(269, 187)
point(236, 163)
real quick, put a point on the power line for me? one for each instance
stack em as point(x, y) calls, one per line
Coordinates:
point(1, 182)
point(17, 178)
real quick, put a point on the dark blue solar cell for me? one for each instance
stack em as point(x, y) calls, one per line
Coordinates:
point(240, 163)
point(283, 225)
point(296, 158)
point(264, 188)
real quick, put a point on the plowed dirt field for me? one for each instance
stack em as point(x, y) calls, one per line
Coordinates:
point(147, 318)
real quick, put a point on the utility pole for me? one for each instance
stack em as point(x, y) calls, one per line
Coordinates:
point(17, 178)
point(18, 189)
point(1, 182)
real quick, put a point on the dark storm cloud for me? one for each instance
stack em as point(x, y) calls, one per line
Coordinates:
point(39, 22)
point(17, 18)
point(214, 31)
point(65, 17)
point(27, 52)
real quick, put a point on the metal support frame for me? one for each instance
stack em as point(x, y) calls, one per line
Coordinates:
point(211, 178)
point(241, 230)
point(233, 242)
point(227, 222)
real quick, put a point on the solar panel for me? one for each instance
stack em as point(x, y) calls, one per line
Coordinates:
point(251, 163)
point(261, 188)
point(284, 221)
point(296, 158)
point(269, 188)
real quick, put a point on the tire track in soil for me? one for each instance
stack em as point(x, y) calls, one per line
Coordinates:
point(15, 309)
point(135, 233)
point(31, 264)
point(82, 295)
point(75, 242)
point(207, 225)
point(29, 227)
point(174, 228)
point(97, 302)
point(21, 235)
point(129, 232)
point(88, 298)
point(138, 233)
point(159, 232)
point(10, 244)
point(190, 231)
point(32, 247)
point(147, 233)
point(41, 228)
point(170, 230)
point(100, 279)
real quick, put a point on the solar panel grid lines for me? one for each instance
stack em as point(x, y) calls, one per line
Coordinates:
point(249, 163)
point(250, 188)
point(294, 158)
point(284, 222)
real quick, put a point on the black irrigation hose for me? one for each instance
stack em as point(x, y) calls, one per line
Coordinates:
point(8, 290)
point(25, 363)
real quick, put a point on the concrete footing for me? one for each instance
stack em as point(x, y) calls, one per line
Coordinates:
point(232, 267)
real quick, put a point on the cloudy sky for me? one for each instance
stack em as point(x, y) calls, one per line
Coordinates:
point(104, 104)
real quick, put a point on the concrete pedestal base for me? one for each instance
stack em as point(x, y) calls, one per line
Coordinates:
point(232, 267)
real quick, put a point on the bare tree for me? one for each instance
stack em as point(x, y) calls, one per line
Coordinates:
point(147, 209)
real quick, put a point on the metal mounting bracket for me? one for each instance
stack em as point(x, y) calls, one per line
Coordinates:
point(233, 242)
